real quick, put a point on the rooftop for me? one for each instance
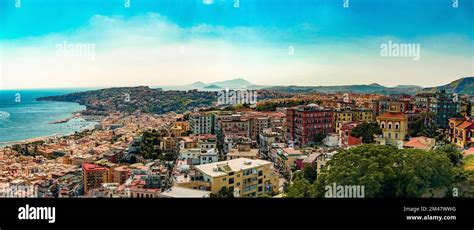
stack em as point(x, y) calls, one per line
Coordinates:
point(424, 143)
point(223, 167)
point(178, 192)
point(92, 167)
point(391, 115)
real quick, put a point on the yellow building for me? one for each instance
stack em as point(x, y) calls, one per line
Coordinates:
point(247, 177)
point(363, 115)
point(460, 132)
point(341, 117)
point(176, 131)
point(169, 144)
point(394, 125)
point(184, 125)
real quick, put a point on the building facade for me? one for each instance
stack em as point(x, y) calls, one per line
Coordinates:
point(201, 123)
point(306, 123)
point(394, 125)
point(246, 177)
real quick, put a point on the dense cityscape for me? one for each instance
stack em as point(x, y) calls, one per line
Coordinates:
point(285, 145)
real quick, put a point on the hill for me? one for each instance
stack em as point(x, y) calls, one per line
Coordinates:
point(138, 99)
point(461, 86)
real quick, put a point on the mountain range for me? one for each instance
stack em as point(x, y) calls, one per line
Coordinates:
point(238, 83)
point(461, 86)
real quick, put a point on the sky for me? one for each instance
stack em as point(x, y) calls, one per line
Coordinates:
point(86, 43)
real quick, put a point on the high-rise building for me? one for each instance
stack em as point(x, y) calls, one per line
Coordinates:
point(307, 124)
point(201, 123)
point(445, 106)
point(93, 176)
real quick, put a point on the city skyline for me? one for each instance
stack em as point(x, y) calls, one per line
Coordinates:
point(164, 43)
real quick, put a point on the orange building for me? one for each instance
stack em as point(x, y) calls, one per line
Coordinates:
point(461, 132)
point(93, 176)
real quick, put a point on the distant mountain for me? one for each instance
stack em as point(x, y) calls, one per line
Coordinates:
point(198, 84)
point(237, 83)
point(234, 83)
point(414, 87)
point(461, 86)
point(212, 87)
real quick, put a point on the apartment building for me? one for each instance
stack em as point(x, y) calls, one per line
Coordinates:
point(201, 123)
point(306, 123)
point(93, 176)
point(246, 177)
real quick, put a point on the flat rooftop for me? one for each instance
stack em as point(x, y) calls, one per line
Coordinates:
point(178, 192)
point(224, 167)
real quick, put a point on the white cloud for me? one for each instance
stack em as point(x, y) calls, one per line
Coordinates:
point(150, 50)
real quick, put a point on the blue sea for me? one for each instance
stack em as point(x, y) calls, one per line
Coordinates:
point(22, 117)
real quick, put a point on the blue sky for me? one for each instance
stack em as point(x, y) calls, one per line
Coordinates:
point(333, 45)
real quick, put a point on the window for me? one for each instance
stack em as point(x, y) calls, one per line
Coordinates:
point(224, 179)
point(260, 173)
point(260, 181)
point(260, 188)
point(231, 180)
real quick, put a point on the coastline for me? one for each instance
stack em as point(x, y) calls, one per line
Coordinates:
point(29, 140)
point(74, 115)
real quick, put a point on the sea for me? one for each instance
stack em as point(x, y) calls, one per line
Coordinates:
point(23, 118)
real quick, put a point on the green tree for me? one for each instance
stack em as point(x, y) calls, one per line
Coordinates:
point(310, 173)
point(366, 130)
point(300, 188)
point(452, 152)
point(224, 193)
point(388, 172)
point(425, 125)
point(264, 195)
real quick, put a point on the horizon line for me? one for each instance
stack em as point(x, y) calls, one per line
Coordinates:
point(159, 86)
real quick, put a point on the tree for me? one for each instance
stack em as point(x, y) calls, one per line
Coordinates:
point(225, 193)
point(301, 188)
point(264, 195)
point(452, 152)
point(310, 173)
point(425, 125)
point(385, 171)
point(319, 137)
point(366, 130)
